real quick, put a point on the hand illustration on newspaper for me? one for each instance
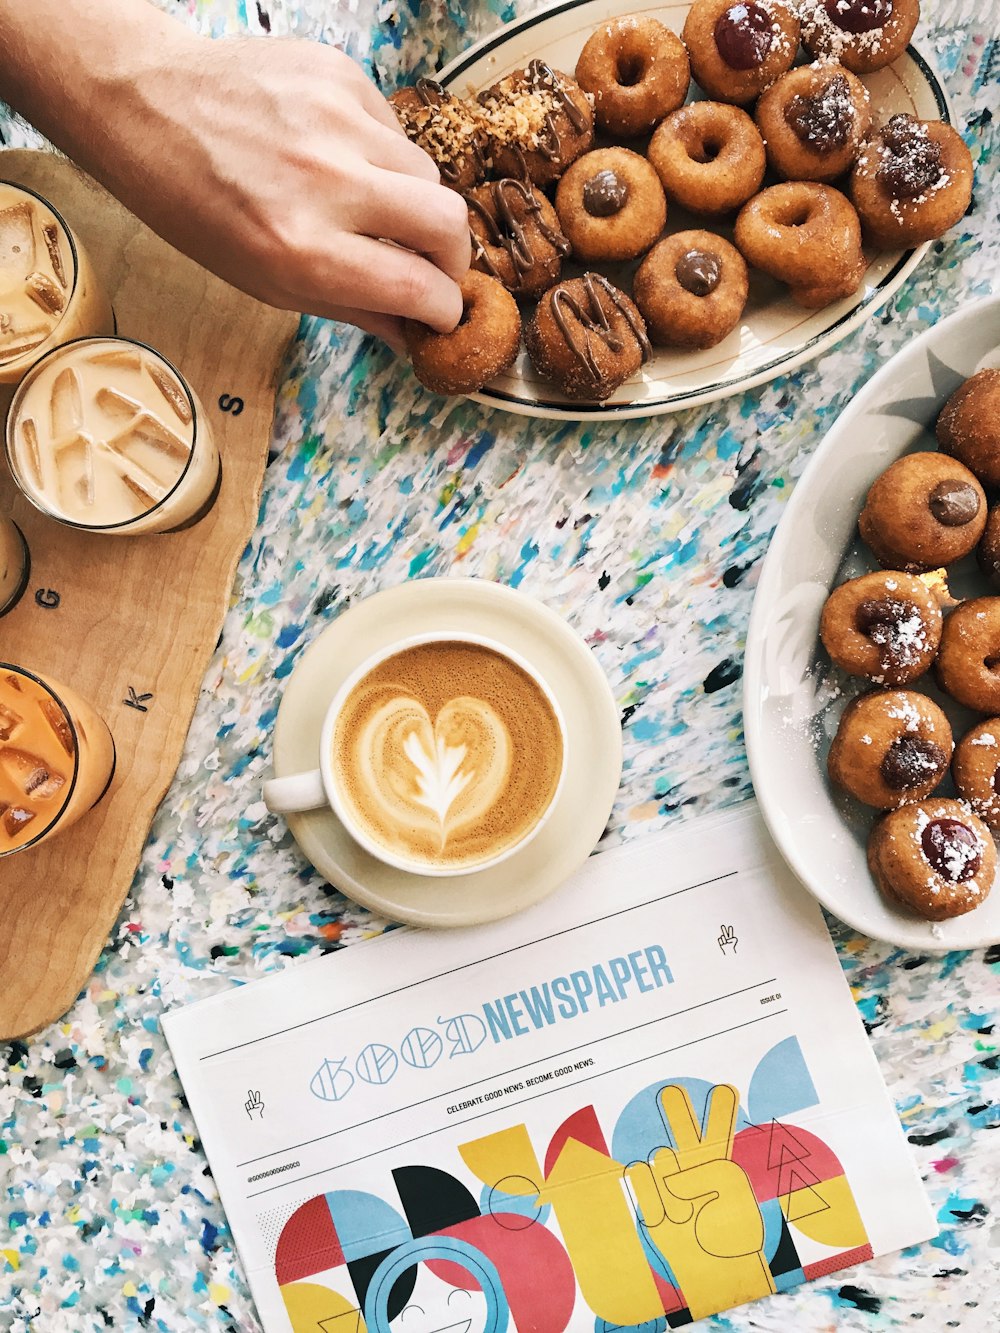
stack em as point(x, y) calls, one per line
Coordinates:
point(698, 1208)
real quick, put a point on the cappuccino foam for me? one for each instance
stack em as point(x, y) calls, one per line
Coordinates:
point(447, 753)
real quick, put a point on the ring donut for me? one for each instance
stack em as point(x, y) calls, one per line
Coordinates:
point(968, 662)
point(484, 343)
point(709, 157)
point(637, 71)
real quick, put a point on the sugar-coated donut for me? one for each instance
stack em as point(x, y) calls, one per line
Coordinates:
point(691, 289)
point(813, 120)
point(515, 236)
point(884, 626)
point(891, 747)
point(911, 182)
point(969, 426)
point(924, 511)
point(637, 71)
point(610, 205)
point(448, 128)
point(976, 770)
point(864, 35)
point(485, 342)
point(988, 550)
point(709, 156)
point(538, 121)
point(736, 50)
point(807, 235)
point(968, 661)
point(587, 337)
point(936, 857)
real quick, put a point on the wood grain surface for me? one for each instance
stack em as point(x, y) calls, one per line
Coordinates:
point(138, 614)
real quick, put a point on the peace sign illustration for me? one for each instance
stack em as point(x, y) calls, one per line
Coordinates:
point(727, 938)
point(697, 1206)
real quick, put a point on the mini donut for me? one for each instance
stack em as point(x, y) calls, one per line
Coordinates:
point(515, 236)
point(988, 550)
point(968, 661)
point(911, 182)
point(691, 289)
point(807, 235)
point(975, 767)
point(610, 204)
point(636, 70)
point(864, 35)
point(925, 510)
point(587, 337)
point(813, 120)
point(884, 626)
point(936, 857)
point(891, 747)
point(485, 342)
point(709, 156)
point(969, 426)
point(447, 128)
point(538, 121)
point(736, 50)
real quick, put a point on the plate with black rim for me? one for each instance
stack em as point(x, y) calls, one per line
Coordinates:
point(775, 335)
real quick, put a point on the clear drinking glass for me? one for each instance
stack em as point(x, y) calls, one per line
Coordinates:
point(104, 434)
point(57, 758)
point(15, 565)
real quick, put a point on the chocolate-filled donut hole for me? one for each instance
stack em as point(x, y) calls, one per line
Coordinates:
point(910, 761)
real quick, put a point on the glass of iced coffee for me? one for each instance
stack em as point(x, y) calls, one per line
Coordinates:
point(105, 434)
point(57, 758)
point(48, 290)
point(15, 565)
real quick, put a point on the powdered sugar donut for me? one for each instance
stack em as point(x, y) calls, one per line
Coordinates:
point(936, 857)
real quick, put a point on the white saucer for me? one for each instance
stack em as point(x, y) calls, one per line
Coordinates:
point(593, 749)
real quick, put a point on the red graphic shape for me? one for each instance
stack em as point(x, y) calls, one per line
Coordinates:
point(846, 1259)
point(582, 1125)
point(769, 1159)
point(308, 1243)
point(520, 1257)
point(673, 1301)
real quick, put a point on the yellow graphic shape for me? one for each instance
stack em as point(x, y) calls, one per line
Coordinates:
point(585, 1190)
point(826, 1213)
point(315, 1309)
point(698, 1206)
point(509, 1152)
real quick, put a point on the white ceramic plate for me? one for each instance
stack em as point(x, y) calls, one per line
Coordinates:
point(793, 698)
point(593, 749)
point(775, 335)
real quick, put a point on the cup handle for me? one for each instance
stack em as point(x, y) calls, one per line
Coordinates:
point(299, 791)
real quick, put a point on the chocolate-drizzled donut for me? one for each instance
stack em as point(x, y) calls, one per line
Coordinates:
point(736, 50)
point(587, 337)
point(538, 120)
point(611, 206)
point(864, 35)
point(935, 856)
point(515, 236)
point(449, 129)
point(813, 120)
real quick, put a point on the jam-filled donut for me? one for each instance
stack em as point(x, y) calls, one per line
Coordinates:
point(691, 289)
point(884, 626)
point(975, 767)
point(813, 120)
point(636, 70)
point(610, 204)
point(924, 511)
point(911, 182)
point(449, 129)
point(515, 236)
point(969, 426)
point(935, 857)
point(709, 156)
point(587, 337)
point(968, 661)
point(807, 235)
point(737, 50)
point(485, 342)
point(988, 550)
point(892, 746)
point(864, 35)
point(538, 120)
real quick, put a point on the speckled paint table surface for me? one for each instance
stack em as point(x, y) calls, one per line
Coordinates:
point(647, 537)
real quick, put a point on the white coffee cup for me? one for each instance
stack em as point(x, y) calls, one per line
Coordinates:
point(318, 788)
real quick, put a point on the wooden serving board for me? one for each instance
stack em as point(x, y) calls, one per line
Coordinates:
point(130, 622)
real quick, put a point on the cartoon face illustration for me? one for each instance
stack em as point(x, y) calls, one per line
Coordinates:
point(437, 1306)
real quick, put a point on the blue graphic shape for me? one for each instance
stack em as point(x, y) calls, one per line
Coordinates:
point(466, 1033)
point(493, 1199)
point(377, 1063)
point(365, 1224)
point(658, 1325)
point(785, 1281)
point(421, 1048)
point(640, 1128)
point(331, 1081)
point(449, 1248)
point(770, 1211)
point(781, 1083)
